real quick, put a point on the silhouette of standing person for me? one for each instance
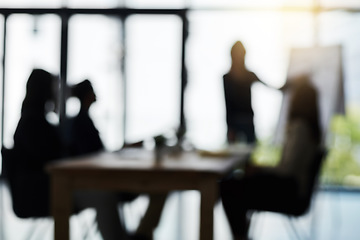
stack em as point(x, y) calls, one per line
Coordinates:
point(237, 91)
point(282, 186)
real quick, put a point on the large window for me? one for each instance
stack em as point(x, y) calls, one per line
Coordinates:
point(95, 53)
point(342, 29)
point(135, 60)
point(153, 70)
point(32, 42)
point(268, 38)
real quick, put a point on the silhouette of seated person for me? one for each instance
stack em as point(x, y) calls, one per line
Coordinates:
point(85, 136)
point(36, 143)
point(85, 139)
point(237, 92)
point(282, 186)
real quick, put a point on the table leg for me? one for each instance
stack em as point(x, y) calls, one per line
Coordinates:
point(61, 207)
point(208, 198)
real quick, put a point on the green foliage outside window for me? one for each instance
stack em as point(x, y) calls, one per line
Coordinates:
point(342, 165)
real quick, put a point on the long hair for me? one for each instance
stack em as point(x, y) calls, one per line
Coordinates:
point(39, 89)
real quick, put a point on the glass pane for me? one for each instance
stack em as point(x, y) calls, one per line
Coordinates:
point(61, 3)
point(299, 3)
point(342, 167)
point(31, 4)
point(340, 3)
point(342, 29)
point(32, 42)
point(268, 37)
point(157, 3)
point(251, 4)
point(95, 52)
point(94, 3)
point(153, 70)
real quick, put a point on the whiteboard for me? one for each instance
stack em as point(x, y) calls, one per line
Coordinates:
point(324, 66)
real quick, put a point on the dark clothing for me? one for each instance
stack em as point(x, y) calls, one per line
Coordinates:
point(282, 188)
point(36, 143)
point(265, 191)
point(239, 112)
point(85, 137)
point(238, 95)
point(36, 138)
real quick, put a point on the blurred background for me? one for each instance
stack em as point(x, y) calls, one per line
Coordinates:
point(139, 61)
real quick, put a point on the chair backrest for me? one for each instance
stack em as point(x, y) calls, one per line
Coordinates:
point(5, 167)
point(8, 167)
point(304, 202)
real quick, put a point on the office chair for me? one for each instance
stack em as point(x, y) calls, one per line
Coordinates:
point(2, 228)
point(20, 205)
point(301, 205)
point(9, 173)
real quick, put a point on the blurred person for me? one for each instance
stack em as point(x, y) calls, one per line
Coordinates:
point(237, 91)
point(37, 143)
point(280, 186)
point(85, 139)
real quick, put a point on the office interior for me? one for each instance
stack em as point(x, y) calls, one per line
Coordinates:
point(158, 65)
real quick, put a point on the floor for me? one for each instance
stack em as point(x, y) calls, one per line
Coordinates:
point(335, 215)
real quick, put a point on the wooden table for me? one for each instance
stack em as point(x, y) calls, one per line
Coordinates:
point(136, 171)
